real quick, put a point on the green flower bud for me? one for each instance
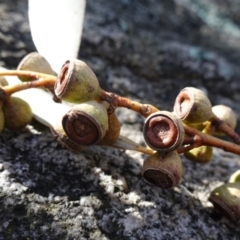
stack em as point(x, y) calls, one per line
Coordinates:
point(36, 63)
point(17, 112)
point(227, 115)
point(235, 177)
point(201, 154)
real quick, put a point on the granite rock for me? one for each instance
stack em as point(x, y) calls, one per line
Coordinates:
point(148, 51)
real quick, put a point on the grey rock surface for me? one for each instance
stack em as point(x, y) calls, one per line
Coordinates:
point(148, 51)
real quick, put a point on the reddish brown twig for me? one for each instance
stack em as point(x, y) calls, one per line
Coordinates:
point(223, 127)
point(117, 101)
point(199, 139)
point(41, 80)
point(196, 138)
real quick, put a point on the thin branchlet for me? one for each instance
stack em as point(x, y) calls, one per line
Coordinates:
point(194, 138)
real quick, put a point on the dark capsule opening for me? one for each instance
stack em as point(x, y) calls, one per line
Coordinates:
point(81, 128)
point(62, 79)
point(158, 178)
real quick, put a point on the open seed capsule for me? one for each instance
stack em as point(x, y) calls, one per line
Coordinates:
point(86, 123)
point(77, 83)
point(17, 112)
point(193, 106)
point(163, 170)
point(202, 154)
point(163, 131)
point(226, 200)
point(34, 62)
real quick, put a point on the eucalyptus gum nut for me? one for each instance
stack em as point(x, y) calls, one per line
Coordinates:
point(77, 83)
point(163, 131)
point(226, 200)
point(86, 123)
point(17, 112)
point(193, 106)
point(34, 62)
point(163, 170)
point(3, 81)
point(1, 119)
point(202, 154)
point(60, 135)
point(227, 115)
point(235, 177)
point(113, 130)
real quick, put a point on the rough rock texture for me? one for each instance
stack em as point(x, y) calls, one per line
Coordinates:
point(148, 51)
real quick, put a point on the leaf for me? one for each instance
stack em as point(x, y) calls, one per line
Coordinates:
point(56, 28)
